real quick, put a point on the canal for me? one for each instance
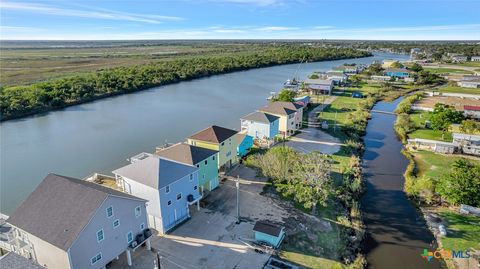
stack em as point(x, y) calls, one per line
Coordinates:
point(396, 230)
point(100, 136)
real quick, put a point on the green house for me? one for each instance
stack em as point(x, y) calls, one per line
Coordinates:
point(206, 160)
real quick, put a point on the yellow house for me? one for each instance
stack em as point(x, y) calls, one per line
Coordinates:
point(219, 139)
point(290, 114)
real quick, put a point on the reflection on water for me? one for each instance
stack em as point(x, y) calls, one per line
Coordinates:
point(396, 231)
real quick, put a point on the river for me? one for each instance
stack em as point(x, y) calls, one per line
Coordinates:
point(100, 136)
point(396, 230)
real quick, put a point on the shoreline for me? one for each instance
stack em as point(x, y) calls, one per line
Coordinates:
point(44, 110)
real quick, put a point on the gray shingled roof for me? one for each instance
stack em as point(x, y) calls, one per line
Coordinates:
point(280, 108)
point(155, 171)
point(186, 153)
point(214, 134)
point(14, 261)
point(60, 207)
point(260, 117)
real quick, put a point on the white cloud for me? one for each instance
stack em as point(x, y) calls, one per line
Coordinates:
point(275, 28)
point(85, 13)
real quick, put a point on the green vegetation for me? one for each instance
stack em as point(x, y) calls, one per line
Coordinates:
point(463, 231)
point(285, 95)
point(17, 101)
point(455, 89)
point(470, 127)
point(431, 134)
point(427, 78)
point(461, 184)
point(443, 116)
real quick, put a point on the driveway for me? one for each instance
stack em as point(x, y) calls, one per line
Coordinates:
point(312, 138)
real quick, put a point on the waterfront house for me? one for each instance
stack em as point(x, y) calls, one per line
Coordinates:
point(170, 187)
point(290, 114)
point(319, 86)
point(472, 111)
point(260, 125)
point(266, 232)
point(347, 69)
point(397, 72)
point(432, 145)
point(337, 76)
point(11, 260)
point(206, 160)
point(470, 83)
point(67, 223)
point(244, 144)
point(220, 139)
point(475, 59)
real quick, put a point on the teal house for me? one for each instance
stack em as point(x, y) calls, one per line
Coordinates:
point(244, 144)
point(269, 233)
point(206, 160)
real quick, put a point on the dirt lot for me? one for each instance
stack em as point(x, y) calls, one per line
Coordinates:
point(457, 102)
point(210, 239)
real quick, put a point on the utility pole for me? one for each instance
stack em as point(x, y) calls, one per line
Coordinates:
point(237, 184)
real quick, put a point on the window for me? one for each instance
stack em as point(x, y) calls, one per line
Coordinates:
point(96, 258)
point(129, 237)
point(169, 202)
point(203, 176)
point(223, 143)
point(116, 223)
point(198, 165)
point(213, 158)
point(109, 212)
point(100, 235)
point(179, 196)
point(195, 187)
point(206, 162)
point(142, 226)
point(167, 189)
point(138, 211)
point(191, 176)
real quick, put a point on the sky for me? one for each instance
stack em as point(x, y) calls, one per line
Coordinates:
point(240, 19)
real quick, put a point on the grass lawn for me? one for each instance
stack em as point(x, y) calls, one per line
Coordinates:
point(447, 70)
point(431, 134)
point(455, 89)
point(431, 164)
point(463, 231)
point(470, 64)
point(309, 261)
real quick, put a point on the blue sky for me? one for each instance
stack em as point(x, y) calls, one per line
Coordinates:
point(238, 19)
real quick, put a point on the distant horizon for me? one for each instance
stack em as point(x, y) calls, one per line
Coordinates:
point(250, 39)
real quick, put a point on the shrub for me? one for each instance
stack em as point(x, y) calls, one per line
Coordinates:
point(461, 185)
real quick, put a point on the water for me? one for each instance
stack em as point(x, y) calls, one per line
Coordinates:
point(396, 231)
point(100, 136)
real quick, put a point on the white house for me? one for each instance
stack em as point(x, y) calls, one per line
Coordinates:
point(475, 59)
point(472, 111)
point(260, 125)
point(470, 83)
point(68, 223)
point(170, 187)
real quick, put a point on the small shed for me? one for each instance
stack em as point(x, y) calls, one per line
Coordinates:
point(244, 144)
point(269, 233)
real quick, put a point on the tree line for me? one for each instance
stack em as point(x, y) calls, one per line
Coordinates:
point(17, 101)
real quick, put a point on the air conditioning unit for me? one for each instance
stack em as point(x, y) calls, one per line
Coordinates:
point(190, 198)
point(133, 244)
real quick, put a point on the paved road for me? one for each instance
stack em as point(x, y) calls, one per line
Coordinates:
point(312, 138)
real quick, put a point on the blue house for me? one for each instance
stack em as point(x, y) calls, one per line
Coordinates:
point(397, 72)
point(269, 233)
point(170, 187)
point(357, 95)
point(260, 125)
point(244, 144)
